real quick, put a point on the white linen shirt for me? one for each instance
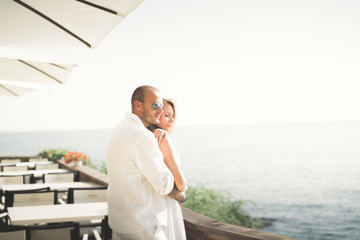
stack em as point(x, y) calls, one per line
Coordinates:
point(138, 178)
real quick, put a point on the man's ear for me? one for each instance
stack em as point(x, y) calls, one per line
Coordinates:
point(138, 105)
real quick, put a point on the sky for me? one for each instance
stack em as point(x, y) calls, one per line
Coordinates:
point(225, 62)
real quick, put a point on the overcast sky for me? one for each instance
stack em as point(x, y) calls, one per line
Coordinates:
point(223, 61)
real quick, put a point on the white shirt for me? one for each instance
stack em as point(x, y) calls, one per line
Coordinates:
point(138, 178)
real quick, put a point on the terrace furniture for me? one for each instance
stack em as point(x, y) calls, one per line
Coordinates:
point(8, 232)
point(85, 237)
point(14, 168)
point(46, 166)
point(57, 213)
point(53, 186)
point(60, 231)
point(96, 234)
point(40, 196)
point(59, 177)
point(13, 235)
point(29, 164)
point(57, 231)
point(36, 173)
point(38, 160)
point(15, 179)
point(86, 195)
point(6, 165)
point(3, 221)
point(11, 180)
point(10, 160)
point(105, 229)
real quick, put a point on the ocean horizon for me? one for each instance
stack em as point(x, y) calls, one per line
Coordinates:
point(304, 176)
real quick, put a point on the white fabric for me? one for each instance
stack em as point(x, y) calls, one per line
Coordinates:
point(175, 230)
point(122, 8)
point(19, 70)
point(138, 178)
point(21, 27)
point(9, 90)
point(153, 233)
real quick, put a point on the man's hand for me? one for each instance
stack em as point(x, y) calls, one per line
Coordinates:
point(160, 135)
point(178, 195)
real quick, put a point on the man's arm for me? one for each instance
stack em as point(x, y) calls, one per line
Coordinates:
point(150, 162)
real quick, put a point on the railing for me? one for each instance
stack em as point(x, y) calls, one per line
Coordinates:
point(198, 226)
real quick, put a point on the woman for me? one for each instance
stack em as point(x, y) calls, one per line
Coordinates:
point(175, 228)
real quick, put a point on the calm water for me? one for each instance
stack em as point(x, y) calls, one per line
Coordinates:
point(305, 176)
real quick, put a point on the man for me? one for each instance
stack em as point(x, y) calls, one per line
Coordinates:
point(138, 176)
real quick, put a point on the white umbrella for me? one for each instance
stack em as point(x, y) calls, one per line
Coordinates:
point(24, 70)
point(60, 23)
point(11, 90)
point(21, 75)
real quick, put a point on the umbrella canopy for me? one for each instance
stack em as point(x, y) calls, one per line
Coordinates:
point(10, 90)
point(60, 23)
point(34, 71)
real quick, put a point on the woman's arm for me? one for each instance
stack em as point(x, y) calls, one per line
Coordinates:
point(169, 152)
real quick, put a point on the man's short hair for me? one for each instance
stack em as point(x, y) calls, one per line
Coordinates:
point(139, 94)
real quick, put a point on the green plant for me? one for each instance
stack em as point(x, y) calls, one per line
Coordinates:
point(101, 168)
point(219, 206)
point(53, 154)
point(69, 156)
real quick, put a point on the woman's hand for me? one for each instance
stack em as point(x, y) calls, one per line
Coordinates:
point(160, 135)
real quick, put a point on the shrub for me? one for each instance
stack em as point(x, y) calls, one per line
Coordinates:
point(69, 156)
point(219, 206)
point(53, 154)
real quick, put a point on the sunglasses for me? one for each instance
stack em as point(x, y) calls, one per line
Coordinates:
point(156, 106)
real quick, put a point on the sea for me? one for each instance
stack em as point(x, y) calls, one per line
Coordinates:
point(305, 177)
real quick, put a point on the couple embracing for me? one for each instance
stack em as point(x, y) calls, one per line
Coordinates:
point(146, 185)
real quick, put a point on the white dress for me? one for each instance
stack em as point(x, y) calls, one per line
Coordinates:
point(175, 229)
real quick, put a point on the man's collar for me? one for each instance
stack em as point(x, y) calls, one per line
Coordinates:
point(134, 117)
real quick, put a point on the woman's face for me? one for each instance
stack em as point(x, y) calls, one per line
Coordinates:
point(166, 119)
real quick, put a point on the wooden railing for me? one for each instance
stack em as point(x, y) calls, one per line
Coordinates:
point(198, 226)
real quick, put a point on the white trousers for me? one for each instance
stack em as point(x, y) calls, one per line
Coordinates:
point(154, 233)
